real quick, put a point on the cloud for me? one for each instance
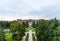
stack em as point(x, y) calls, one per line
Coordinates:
point(29, 8)
point(32, 17)
point(7, 18)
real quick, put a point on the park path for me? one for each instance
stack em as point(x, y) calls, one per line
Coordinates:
point(30, 36)
point(24, 37)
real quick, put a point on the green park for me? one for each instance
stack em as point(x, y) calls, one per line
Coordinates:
point(29, 20)
point(30, 30)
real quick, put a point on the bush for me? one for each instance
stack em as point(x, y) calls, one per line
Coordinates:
point(27, 37)
point(34, 39)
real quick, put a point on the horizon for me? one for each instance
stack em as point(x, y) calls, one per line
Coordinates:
point(24, 19)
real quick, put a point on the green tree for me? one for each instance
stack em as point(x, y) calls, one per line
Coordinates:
point(17, 30)
point(52, 30)
point(2, 34)
point(34, 24)
point(24, 24)
point(41, 30)
point(5, 24)
point(27, 24)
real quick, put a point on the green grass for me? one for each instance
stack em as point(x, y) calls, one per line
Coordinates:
point(9, 37)
point(27, 30)
point(34, 39)
point(27, 36)
point(33, 30)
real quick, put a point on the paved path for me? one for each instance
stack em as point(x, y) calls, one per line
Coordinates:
point(24, 37)
point(30, 36)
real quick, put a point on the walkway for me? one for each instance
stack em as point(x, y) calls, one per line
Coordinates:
point(24, 37)
point(30, 36)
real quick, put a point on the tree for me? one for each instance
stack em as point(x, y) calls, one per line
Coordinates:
point(57, 34)
point(2, 34)
point(27, 24)
point(52, 30)
point(41, 30)
point(17, 30)
point(34, 24)
point(5, 24)
point(24, 24)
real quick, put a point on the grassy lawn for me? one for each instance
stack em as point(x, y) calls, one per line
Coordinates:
point(9, 37)
point(33, 30)
point(27, 30)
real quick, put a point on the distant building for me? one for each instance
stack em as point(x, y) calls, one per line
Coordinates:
point(30, 21)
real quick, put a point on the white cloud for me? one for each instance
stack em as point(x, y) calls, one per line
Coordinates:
point(24, 5)
point(15, 8)
point(10, 18)
point(32, 17)
point(7, 18)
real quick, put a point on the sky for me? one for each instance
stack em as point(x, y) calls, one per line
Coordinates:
point(29, 9)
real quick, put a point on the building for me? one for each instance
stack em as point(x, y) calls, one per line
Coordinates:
point(30, 21)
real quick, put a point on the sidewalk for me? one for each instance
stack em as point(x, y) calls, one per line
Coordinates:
point(30, 36)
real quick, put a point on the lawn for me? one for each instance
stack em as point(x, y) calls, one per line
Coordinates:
point(33, 30)
point(27, 30)
point(9, 37)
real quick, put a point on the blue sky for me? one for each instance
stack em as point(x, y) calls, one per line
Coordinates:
point(29, 9)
